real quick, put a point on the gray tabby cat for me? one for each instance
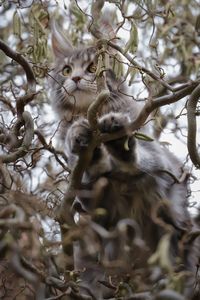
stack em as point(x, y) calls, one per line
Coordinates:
point(134, 179)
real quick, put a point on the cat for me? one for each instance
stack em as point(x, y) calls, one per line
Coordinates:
point(136, 177)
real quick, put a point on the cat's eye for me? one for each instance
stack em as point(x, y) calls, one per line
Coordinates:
point(66, 70)
point(92, 68)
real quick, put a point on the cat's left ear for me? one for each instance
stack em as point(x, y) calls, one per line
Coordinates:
point(60, 43)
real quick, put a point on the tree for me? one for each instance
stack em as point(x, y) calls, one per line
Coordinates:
point(160, 57)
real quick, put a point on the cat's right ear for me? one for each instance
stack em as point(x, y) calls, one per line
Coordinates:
point(60, 44)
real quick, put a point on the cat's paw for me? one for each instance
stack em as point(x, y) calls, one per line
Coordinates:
point(123, 147)
point(79, 136)
point(113, 122)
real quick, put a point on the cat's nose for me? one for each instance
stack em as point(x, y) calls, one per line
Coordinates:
point(76, 78)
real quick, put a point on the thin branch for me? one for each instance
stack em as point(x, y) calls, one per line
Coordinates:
point(51, 149)
point(94, 29)
point(23, 62)
point(192, 126)
point(8, 104)
point(5, 178)
point(141, 68)
point(23, 101)
point(96, 8)
point(92, 110)
point(149, 107)
point(18, 267)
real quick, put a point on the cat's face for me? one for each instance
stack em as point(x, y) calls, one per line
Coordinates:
point(73, 81)
point(74, 87)
point(76, 77)
point(78, 72)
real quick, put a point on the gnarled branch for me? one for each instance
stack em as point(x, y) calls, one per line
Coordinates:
point(28, 136)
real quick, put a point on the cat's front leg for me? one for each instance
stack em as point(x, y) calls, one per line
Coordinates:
point(122, 148)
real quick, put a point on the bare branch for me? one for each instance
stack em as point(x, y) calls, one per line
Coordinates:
point(92, 110)
point(5, 179)
point(8, 104)
point(141, 68)
point(18, 221)
point(22, 101)
point(23, 62)
point(51, 149)
point(192, 127)
point(19, 269)
point(28, 136)
point(94, 29)
point(96, 8)
point(147, 109)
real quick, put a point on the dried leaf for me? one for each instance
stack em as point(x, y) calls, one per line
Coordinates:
point(132, 44)
point(117, 66)
point(16, 24)
point(143, 137)
point(126, 146)
point(162, 254)
point(197, 24)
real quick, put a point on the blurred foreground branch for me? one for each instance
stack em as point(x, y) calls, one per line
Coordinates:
point(83, 159)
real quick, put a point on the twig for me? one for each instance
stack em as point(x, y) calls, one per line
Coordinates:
point(139, 67)
point(8, 104)
point(192, 127)
point(94, 29)
point(51, 149)
point(182, 178)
